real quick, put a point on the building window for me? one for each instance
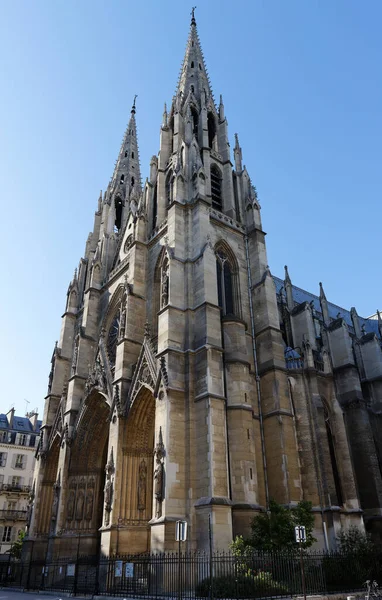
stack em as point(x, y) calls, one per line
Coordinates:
point(7, 534)
point(126, 154)
point(16, 481)
point(192, 64)
point(169, 188)
point(216, 188)
point(211, 125)
point(195, 121)
point(122, 179)
point(3, 459)
point(22, 439)
point(118, 214)
point(4, 436)
point(20, 461)
point(225, 283)
point(132, 155)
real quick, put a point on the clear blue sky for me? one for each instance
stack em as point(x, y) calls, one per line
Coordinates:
point(302, 86)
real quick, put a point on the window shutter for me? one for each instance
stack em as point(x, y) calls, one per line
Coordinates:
point(1, 479)
point(13, 534)
point(9, 437)
point(25, 458)
point(1, 533)
point(14, 460)
point(10, 479)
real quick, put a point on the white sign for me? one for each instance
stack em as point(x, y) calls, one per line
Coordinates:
point(300, 533)
point(70, 570)
point(118, 568)
point(129, 570)
point(181, 531)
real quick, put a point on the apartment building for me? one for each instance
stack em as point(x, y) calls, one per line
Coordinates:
point(18, 442)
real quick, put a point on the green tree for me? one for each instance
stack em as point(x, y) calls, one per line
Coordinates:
point(355, 541)
point(16, 547)
point(275, 530)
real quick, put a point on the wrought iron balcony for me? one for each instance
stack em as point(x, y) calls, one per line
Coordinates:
point(13, 515)
point(10, 487)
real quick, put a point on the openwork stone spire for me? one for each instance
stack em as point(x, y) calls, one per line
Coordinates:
point(127, 172)
point(193, 74)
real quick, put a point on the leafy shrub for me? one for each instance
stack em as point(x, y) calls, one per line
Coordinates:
point(242, 586)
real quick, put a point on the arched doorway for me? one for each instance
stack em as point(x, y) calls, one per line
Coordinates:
point(83, 504)
point(136, 475)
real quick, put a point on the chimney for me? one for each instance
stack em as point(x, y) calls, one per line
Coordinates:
point(10, 416)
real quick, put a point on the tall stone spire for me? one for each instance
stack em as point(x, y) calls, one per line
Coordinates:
point(127, 172)
point(193, 76)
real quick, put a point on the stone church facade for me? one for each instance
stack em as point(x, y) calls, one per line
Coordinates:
point(188, 382)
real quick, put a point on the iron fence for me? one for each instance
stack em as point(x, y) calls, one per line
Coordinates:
point(196, 576)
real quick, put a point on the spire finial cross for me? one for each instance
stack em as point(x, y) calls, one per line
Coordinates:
point(193, 14)
point(133, 107)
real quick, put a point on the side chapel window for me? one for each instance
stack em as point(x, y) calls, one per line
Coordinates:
point(225, 283)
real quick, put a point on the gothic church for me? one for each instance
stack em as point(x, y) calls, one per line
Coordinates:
point(188, 382)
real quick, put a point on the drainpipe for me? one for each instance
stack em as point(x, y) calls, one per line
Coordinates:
point(257, 375)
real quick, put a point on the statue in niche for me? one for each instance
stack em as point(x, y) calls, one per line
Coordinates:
point(75, 356)
point(122, 320)
point(80, 506)
point(165, 284)
point(108, 499)
point(89, 504)
point(158, 486)
point(56, 498)
point(142, 477)
point(30, 506)
point(70, 505)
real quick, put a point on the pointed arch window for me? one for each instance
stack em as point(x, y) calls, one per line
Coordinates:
point(332, 453)
point(122, 179)
point(125, 153)
point(192, 64)
point(216, 188)
point(169, 188)
point(195, 121)
point(118, 214)
point(132, 155)
point(211, 126)
point(227, 283)
point(132, 182)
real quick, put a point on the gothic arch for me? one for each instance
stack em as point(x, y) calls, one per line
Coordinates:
point(84, 493)
point(227, 274)
point(136, 498)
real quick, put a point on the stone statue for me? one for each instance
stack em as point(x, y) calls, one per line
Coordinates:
point(56, 498)
point(80, 506)
point(70, 505)
point(75, 355)
point(165, 284)
point(158, 487)
point(122, 319)
point(108, 497)
point(142, 477)
point(89, 504)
